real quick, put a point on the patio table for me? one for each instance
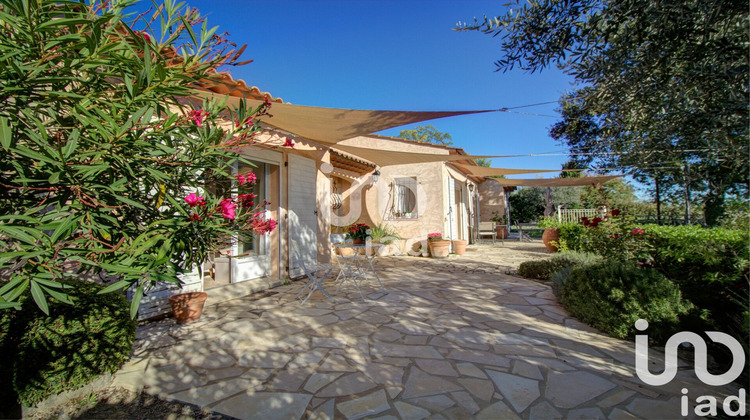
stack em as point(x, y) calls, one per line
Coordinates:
point(358, 265)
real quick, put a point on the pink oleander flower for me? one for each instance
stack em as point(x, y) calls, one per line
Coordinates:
point(197, 116)
point(228, 208)
point(249, 178)
point(246, 200)
point(143, 35)
point(194, 199)
point(288, 142)
point(638, 231)
point(193, 217)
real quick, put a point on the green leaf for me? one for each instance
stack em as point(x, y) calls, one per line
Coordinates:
point(39, 298)
point(136, 302)
point(62, 297)
point(14, 305)
point(6, 136)
point(72, 143)
point(65, 226)
point(115, 286)
point(21, 233)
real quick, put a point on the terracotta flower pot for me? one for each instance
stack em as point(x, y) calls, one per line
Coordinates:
point(440, 249)
point(459, 246)
point(501, 231)
point(358, 241)
point(551, 235)
point(187, 307)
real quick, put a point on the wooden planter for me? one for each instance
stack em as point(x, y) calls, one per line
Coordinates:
point(440, 249)
point(187, 307)
point(551, 235)
point(459, 246)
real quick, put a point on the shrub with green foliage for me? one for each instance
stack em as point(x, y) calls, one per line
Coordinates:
point(109, 163)
point(45, 355)
point(611, 296)
point(544, 269)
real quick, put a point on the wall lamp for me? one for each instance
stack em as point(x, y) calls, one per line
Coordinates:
point(375, 176)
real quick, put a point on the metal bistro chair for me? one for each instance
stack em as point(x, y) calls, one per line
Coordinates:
point(315, 273)
point(488, 229)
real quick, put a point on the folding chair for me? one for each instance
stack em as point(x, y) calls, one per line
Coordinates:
point(315, 273)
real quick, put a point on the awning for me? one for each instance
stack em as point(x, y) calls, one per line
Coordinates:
point(555, 182)
point(332, 125)
point(382, 157)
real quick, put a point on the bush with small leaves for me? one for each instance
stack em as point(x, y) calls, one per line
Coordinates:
point(46, 355)
point(612, 295)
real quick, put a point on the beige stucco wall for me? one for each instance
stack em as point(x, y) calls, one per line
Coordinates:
point(491, 198)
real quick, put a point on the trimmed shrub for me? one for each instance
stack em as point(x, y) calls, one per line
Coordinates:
point(68, 348)
point(571, 236)
point(611, 296)
point(544, 269)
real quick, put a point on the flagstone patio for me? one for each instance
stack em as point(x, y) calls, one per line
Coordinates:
point(453, 338)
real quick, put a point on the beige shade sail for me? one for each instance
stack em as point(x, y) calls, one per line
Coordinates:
point(382, 157)
point(555, 182)
point(486, 172)
point(332, 125)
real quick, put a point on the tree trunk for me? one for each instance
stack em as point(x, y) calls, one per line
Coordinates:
point(549, 208)
point(714, 207)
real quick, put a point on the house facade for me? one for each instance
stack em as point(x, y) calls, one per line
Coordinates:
point(413, 199)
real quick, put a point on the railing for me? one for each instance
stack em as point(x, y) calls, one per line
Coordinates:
point(575, 215)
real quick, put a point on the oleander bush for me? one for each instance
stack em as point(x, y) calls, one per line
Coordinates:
point(612, 295)
point(46, 355)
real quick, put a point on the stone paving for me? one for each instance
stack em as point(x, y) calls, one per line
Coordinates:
point(453, 338)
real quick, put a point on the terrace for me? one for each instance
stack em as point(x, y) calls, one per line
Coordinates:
point(453, 338)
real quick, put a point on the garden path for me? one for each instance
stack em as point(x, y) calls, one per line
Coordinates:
point(453, 338)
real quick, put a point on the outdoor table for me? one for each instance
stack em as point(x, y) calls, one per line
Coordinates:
point(524, 236)
point(359, 264)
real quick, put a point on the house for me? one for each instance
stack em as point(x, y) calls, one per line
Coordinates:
point(317, 184)
point(415, 198)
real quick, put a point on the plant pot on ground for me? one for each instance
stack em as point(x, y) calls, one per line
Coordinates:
point(459, 246)
point(551, 238)
point(187, 307)
point(439, 247)
point(501, 231)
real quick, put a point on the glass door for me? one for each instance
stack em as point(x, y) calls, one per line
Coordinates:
point(252, 251)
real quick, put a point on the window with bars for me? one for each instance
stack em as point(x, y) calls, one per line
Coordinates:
point(404, 198)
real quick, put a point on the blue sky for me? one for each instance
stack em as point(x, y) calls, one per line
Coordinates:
point(396, 55)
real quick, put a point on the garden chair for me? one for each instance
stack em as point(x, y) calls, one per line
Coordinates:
point(488, 229)
point(315, 273)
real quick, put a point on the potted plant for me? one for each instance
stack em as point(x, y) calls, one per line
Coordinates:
point(439, 247)
point(500, 229)
point(358, 233)
point(551, 234)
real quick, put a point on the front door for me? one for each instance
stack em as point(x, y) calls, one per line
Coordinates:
point(252, 254)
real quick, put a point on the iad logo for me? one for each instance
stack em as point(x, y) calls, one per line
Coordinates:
point(701, 371)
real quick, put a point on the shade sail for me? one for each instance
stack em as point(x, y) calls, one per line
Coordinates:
point(484, 171)
point(555, 182)
point(383, 157)
point(332, 125)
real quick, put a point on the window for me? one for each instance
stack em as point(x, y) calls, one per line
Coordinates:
point(404, 198)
